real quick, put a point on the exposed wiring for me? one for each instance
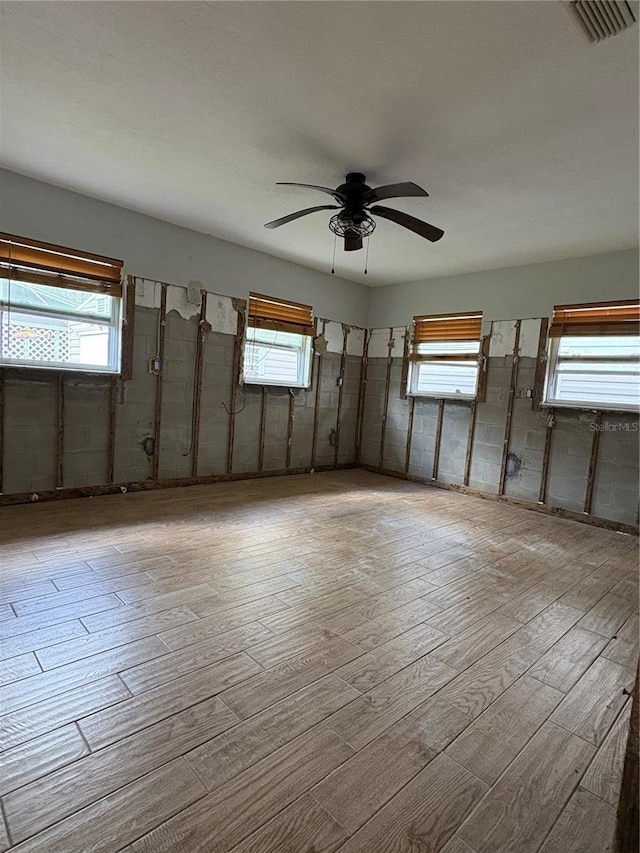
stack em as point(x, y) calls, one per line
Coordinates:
point(237, 411)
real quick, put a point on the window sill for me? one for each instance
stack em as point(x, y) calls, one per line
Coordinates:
point(271, 384)
point(588, 407)
point(71, 371)
point(459, 397)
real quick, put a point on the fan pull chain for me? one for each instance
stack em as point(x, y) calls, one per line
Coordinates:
point(333, 263)
point(366, 260)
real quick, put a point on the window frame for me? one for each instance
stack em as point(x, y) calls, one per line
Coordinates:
point(272, 315)
point(472, 323)
point(603, 320)
point(34, 263)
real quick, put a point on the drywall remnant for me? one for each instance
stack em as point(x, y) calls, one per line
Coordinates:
point(503, 335)
point(193, 291)
point(529, 338)
point(334, 334)
point(177, 301)
point(147, 293)
point(222, 314)
point(379, 342)
point(320, 344)
point(355, 341)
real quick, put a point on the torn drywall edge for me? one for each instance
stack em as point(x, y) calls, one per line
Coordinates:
point(529, 338)
point(147, 293)
point(379, 342)
point(503, 336)
point(355, 341)
point(334, 335)
point(177, 301)
point(221, 314)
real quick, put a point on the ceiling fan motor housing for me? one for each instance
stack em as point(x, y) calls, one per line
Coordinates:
point(353, 191)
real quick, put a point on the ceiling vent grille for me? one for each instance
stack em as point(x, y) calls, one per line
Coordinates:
point(601, 19)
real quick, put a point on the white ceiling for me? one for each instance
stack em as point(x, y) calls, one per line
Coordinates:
point(524, 134)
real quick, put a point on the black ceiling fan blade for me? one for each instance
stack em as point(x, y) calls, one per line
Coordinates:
point(352, 241)
point(284, 219)
point(403, 190)
point(430, 232)
point(338, 196)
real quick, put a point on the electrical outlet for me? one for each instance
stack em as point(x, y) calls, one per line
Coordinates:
point(155, 366)
point(339, 381)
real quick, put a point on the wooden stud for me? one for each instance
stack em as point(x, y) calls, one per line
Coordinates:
point(551, 420)
point(404, 375)
point(2, 378)
point(541, 365)
point(241, 307)
point(316, 408)
point(472, 430)
point(593, 461)
point(407, 458)
point(157, 423)
point(438, 440)
point(197, 384)
point(60, 433)
point(383, 431)
point(128, 324)
point(111, 449)
point(290, 429)
point(362, 392)
point(483, 362)
point(512, 393)
point(343, 362)
point(263, 422)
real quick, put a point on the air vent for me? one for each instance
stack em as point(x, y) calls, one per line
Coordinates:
point(601, 19)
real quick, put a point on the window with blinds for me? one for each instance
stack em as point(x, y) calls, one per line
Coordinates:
point(594, 356)
point(278, 345)
point(59, 308)
point(444, 356)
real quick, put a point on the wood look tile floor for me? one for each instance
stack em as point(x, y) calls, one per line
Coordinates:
point(333, 662)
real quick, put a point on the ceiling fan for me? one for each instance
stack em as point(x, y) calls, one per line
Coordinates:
point(355, 198)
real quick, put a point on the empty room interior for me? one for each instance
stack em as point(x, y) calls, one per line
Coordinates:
point(320, 536)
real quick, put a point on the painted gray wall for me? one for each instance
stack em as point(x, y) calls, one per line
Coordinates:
point(157, 250)
point(526, 291)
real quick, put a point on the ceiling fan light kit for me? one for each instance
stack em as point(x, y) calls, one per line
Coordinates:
point(356, 202)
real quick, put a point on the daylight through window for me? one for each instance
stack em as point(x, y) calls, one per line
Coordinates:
point(444, 356)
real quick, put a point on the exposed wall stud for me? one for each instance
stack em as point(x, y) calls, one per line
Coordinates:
point(404, 376)
point(290, 422)
point(263, 423)
point(512, 393)
point(551, 422)
point(157, 424)
point(483, 362)
point(111, 449)
point(316, 408)
point(2, 377)
point(60, 432)
point(593, 461)
point(241, 309)
point(128, 323)
point(407, 458)
point(343, 363)
point(197, 384)
point(362, 392)
point(472, 429)
point(436, 448)
point(541, 365)
point(385, 409)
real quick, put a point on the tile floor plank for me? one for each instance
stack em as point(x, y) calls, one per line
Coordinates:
point(595, 820)
point(521, 808)
point(424, 815)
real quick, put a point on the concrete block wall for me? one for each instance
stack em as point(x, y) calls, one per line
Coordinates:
point(614, 481)
point(36, 451)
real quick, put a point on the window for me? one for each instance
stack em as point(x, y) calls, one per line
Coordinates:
point(278, 346)
point(445, 356)
point(594, 356)
point(59, 308)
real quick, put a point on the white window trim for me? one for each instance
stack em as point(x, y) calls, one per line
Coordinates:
point(549, 402)
point(114, 323)
point(304, 370)
point(414, 367)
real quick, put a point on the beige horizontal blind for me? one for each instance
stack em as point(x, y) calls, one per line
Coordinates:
point(596, 319)
point(445, 328)
point(267, 312)
point(22, 259)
